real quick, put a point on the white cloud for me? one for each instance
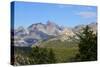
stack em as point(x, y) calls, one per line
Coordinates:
point(89, 8)
point(64, 6)
point(87, 14)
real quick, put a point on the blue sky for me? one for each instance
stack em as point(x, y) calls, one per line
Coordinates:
point(27, 13)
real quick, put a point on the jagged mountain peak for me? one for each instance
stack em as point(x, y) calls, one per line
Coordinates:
point(39, 31)
point(35, 25)
point(20, 28)
point(92, 25)
point(50, 22)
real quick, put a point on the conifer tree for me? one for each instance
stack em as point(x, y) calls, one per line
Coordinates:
point(42, 55)
point(52, 58)
point(87, 45)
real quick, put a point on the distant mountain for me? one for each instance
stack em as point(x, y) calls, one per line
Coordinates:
point(50, 28)
point(78, 28)
point(93, 26)
point(34, 33)
point(39, 32)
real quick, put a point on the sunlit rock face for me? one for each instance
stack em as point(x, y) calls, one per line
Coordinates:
point(41, 32)
point(67, 32)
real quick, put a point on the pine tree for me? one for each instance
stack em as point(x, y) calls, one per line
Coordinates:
point(51, 56)
point(87, 45)
point(42, 55)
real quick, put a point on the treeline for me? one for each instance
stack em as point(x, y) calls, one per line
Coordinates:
point(87, 45)
point(37, 56)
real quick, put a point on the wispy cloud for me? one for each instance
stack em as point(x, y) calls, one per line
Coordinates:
point(87, 14)
point(64, 6)
point(89, 8)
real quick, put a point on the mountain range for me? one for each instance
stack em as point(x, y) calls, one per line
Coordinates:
point(39, 32)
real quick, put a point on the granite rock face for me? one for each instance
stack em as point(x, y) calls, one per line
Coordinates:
point(40, 32)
